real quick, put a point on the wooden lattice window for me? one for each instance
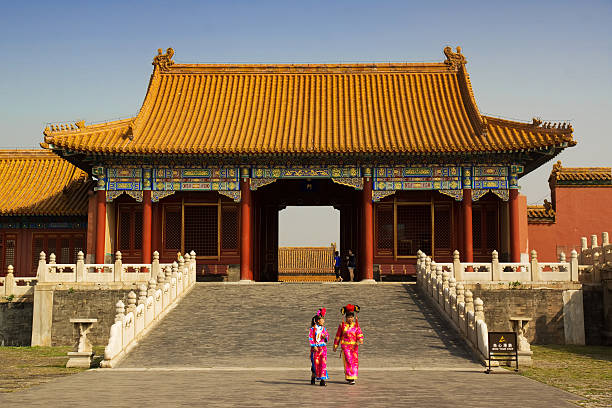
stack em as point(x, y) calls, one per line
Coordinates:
point(202, 229)
point(442, 226)
point(485, 228)
point(229, 227)
point(172, 228)
point(476, 227)
point(413, 229)
point(64, 245)
point(9, 251)
point(129, 230)
point(384, 228)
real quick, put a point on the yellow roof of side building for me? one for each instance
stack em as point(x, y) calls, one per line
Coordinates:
point(319, 108)
point(38, 182)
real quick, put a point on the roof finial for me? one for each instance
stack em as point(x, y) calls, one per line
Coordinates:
point(454, 59)
point(164, 61)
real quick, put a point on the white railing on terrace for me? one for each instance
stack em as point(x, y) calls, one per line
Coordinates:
point(154, 301)
point(455, 303)
point(98, 273)
point(13, 287)
point(495, 271)
point(595, 259)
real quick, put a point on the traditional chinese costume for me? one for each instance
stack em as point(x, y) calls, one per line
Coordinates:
point(318, 338)
point(348, 337)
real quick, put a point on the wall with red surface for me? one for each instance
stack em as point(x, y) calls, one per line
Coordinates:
point(580, 212)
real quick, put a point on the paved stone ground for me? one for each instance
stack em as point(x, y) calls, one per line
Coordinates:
point(220, 325)
point(245, 345)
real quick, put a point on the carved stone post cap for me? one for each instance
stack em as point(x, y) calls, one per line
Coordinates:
point(605, 238)
point(52, 257)
point(152, 283)
point(80, 256)
point(131, 297)
point(155, 255)
point(438, 269)
point(120, 307)
point(193, 254)
point(574, 254)
point(478, 301)
point(168, 268)
point(452, 281)
point(9, 269)
point(142, 287)
point(534, 254)
point(593, 241)
point(187, 256)
point(562, 257)
point(495, 254)
point(42, 256)
point(118, 255)
point(174, 264)
point(456, 254)
point(445, 275)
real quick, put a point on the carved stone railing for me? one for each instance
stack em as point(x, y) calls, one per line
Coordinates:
point(594, 260)
point(457, 305)
point(12, 287)
point(495, 271)
point(80, 272)
point(142, 313)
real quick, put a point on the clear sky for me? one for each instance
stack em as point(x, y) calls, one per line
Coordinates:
point(91, 60)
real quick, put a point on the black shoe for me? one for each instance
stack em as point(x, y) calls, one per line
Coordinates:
point(352, 382)
point(312, 381)
point(323, 383)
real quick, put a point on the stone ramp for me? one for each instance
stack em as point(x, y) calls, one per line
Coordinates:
point(266, 326)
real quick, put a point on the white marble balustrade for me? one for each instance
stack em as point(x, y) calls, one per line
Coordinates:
point(148, 308)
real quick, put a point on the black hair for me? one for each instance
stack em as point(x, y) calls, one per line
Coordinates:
point(315, 319)
point(350, 314)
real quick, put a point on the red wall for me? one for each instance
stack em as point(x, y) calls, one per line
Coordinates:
point(580, 212)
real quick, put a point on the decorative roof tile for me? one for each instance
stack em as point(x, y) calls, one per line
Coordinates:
point(316, 108)
point(580, 176)
point(541, 213)
point(35, 182)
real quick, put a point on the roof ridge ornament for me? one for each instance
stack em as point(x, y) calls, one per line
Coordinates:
point(454, 59)
point(164, 61)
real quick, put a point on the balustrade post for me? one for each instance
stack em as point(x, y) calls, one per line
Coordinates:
point(594, 241)
point(574, 273)
point(444, 292)
point(605, 239)
point(155, 264)
point(457, 269)
point(131, 299)
point(469, 307)
point(479, 309)
point(438, 287)
point(120, 312)
point(460, 299)
point(41, 272)
point(495, 268)
point(152, 287)
point(536, 276)
point(583, 247)
point(9, 281)
point(168, 274)
point(118, 273)
point(142, 294)
point(193, 270)
point(80, 267)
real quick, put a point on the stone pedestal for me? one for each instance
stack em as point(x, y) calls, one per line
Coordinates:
point(519, 325)
point(83, 353)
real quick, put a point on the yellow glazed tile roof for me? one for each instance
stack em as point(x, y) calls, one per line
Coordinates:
point(579, 175)
point(35, 182)
point(541, 213)
point(324, 108)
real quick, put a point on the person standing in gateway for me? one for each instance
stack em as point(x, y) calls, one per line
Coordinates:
point(337, 264)
point(350, 264)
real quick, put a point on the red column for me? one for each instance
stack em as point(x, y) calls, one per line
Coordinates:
point(367, 241)
point(100, 225)
point(515, 248)
point(246, 261)
point(146, 226)
point(468, 250)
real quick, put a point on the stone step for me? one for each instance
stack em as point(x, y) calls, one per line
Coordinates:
point(266, 325)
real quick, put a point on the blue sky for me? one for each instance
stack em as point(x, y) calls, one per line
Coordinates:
point(64, 61)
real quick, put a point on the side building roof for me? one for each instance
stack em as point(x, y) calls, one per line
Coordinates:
point(38, 182)
point(408, 108)
point(580, 176)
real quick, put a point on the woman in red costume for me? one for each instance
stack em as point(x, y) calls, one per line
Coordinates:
point(349, 337)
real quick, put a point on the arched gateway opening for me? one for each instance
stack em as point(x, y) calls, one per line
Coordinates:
point(269, 200)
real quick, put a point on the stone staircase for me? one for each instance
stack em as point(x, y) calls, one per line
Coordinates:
point(266, 326)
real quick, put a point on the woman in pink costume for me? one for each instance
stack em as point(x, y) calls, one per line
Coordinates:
point(318, 338)
point(349, 337)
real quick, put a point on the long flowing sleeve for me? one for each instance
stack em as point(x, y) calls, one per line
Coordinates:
point(338, 336)
point(312, 336)
point(359, 334)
